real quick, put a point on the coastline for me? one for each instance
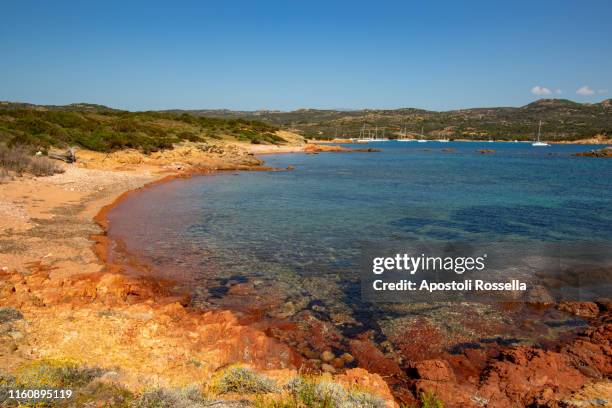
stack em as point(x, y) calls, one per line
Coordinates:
point(78, 307)
point(587, 141)
point(152, 314)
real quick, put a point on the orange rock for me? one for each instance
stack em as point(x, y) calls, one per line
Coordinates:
point(434, 370)
point(362, 379)
point(338, 363)
point(372, 359)
point(582, 309)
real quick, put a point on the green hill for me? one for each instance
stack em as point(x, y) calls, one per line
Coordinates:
point(561, 120)
point(100, 128)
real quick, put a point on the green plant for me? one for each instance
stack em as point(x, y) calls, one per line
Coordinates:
point(107, 130)
point(316, 393)
point(55, 373)
point(429, 400)
point(360, 399)
point(243, 380)
point(188, 397)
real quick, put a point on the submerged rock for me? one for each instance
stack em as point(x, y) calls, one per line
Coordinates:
point(327, 356)
point(606, 152)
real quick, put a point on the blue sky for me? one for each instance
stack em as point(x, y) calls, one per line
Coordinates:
point(288, 54)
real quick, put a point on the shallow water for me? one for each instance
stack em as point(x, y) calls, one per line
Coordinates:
point(283, 242)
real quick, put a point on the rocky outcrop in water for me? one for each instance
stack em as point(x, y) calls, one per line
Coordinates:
point(606, 152)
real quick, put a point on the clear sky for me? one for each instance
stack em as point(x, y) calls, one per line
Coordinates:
point(140, 55)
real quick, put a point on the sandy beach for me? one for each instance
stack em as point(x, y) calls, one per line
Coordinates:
point(76, 308)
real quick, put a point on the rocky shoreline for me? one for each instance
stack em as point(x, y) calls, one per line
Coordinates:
point(66, 304)
point(606, 152)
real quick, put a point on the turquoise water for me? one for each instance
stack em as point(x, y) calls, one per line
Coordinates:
point(295, 235)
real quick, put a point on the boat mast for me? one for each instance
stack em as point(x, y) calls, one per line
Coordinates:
point(539, 129)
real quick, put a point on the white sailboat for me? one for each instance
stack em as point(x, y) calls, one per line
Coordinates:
point(422, 134)
point(377, 138)
point(362, 135)
point(404, 136)
point(538, 143)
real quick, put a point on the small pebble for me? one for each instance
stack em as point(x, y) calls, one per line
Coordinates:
point(338, 363)
point(327, 356)
point(347, 358)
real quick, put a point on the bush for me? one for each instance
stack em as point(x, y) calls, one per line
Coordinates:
point(55, 373)
point(328, 394)
point(359, 399)
point(19, 159)
point(15, 159)
point(7, 383)
point(108, 131)
point(8, 314)
point(189, 397)
point(429, 400)
point(243, 380)
point(42, 166)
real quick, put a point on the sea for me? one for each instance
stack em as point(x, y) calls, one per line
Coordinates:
point(286, 244)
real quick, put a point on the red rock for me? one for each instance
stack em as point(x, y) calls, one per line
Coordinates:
point(338, 363)
point(582, 309)
point(434, 370)
point(451, 394)
point(372, 359)
point(419, 341)
point(522, 373)
point(364, 380)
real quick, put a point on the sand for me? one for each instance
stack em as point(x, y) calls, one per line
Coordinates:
point(77, 308)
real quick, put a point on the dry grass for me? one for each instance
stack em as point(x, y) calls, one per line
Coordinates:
point(20, 160)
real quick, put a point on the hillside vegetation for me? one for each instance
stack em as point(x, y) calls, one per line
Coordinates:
point(104, 129)
point(561, 120)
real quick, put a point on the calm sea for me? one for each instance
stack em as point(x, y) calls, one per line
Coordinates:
point(293, 237)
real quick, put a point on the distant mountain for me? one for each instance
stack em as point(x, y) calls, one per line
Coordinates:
point(73, 107)
point(562, 119)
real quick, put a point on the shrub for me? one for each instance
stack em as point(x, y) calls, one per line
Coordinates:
point(55, 373)
point(8, 314)
point(15, 159)
point(108, 131)
point(101, 394)
point(332, 392)
point(19, 159)
point(429, 400)
point(7, 382)
point(42, 166)
point(189, 397)
point(360, 399)
point(243, 380)
point(328, 394)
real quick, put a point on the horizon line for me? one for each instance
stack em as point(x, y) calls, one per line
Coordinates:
point(300, 109)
